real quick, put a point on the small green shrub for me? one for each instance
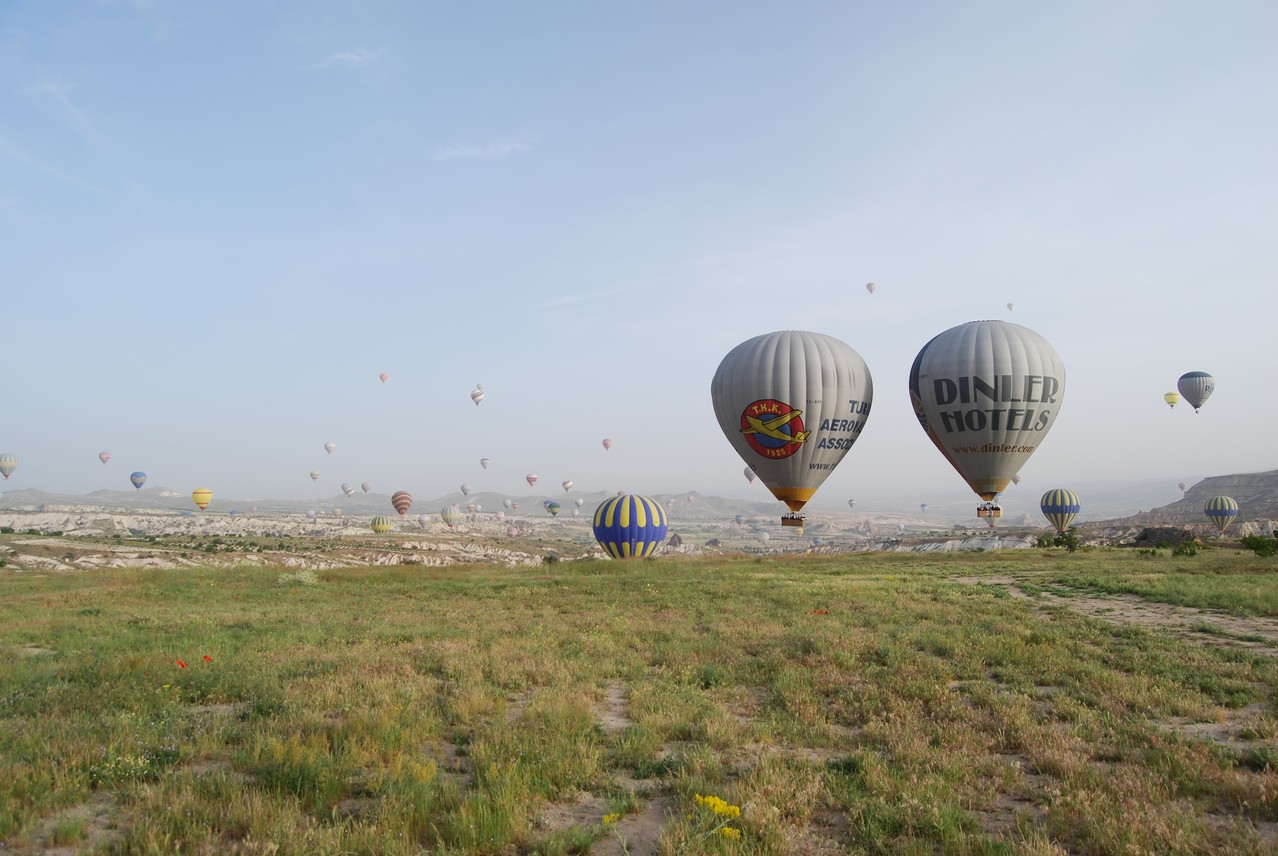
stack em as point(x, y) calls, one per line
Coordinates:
point(1260, 545)
point(1186, 548)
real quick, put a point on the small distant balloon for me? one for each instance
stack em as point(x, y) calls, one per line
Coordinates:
point(1197, 387)
point(749, 474)
point(514, 506)
point(202, 496)
point(383, 377)
point(402, 500)
point(1011, 306)
point(104, 457)
point(552, 507)
point(382, 524)
point(472, 506)
point(567, 486)
point(740, 518)
point(329, 447)
point(607, 443)
point(1221, 511)
point(451, 515)
point(465, 489)
point(511, 531)
point(871, 287)
point(506, 503)
point(501, 515)
point(366, 487)
point(1060, 507)
point(579, 502)
point(922, 506)
point(851, 503)
point(314, 475)
point(1172, 398)
point(1183, 487)
point(348, 489)
point(531, 478)
point(138, 479)
point(484, 462)
point(1016, 479)
point(8, 463)
point(477, 394)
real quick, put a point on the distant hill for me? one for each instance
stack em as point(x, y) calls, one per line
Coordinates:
point(1255, 493)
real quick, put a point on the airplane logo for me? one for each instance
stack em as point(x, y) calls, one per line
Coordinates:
point(773, 428)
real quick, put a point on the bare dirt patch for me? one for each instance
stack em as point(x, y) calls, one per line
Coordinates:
point(95, 826)
point(613, 717)
point(584, 810)
point(641, 832)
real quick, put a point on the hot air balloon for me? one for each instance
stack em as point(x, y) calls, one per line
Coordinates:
point(740, 518)
point(514, 506)
point(138, 479)
point(579, 502)
point(630, 526)
point(402, 500)
point(749, 474)
point(987, 393)
point(511, 531)
point(348, 489)
point(484, 462)
point(1016, 479)
point(383, 377)
point(1011, 306)
point(477, 394)
point(382, 524)
point(851, 503)
point(871, 287)
point(1220, 510)
point(567, 486)
point(104, 457)
point(451, 515)
point(234, 513)
point(366, 487)
point(552, 507)
point(607, 443)
point(472, 506)
point(311, 514)
point(922, 506)
point(202, 497)
point(314, 475)
point(501, 515)
point(531, 478)
point(792, 403)
point(764, 536)
point(506, 503)
point(465, 489)
point(1183, 487)
point(1197, 387)
point(421, 520)
point(329, 447)
point(1060, 507)
point(1172, 398)
point(8, 463)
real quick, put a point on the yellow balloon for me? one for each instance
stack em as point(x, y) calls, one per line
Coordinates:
point(202, 497)
point(1172, 399)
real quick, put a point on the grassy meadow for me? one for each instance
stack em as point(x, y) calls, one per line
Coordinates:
point(869, 703)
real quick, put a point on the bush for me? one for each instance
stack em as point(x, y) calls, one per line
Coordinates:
point(1260, 545)
point(1067, 539)
point(1186, 548)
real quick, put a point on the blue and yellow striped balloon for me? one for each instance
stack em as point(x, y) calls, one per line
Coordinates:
point(382, 523)
point(1060, 507)
point(629, 526)
point(1221, 510)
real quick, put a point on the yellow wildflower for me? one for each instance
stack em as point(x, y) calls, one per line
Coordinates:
point(611, 818)
point(729, 832)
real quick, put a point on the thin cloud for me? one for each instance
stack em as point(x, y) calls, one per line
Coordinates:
point(55, 98)
point(17, 153)
point(351, 59)
point(487, 151)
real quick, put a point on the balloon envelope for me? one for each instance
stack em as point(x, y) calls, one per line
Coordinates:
point(483, 462)
point(749, 474)
point(138, 479)
point(8, 463)
point(1172, 398)
point(987, 393)
point(1221, 510)
point(382, 523)
point(630, 526)
point(465, 489)
point(607, 443)
point(366, 487)
point(1197, 387)
point(402, 500)
point(1183, 487)
point(477, 394)
point(792, 403)
point(383, 377)
point(314, 475)
point(348, 489)
point(531, 478)
point(451, 514)
point(567, 486)
point(329, 447)
point(104, 456)
point(1060, 507)
point(202, 496)
point(553, 508)
point(871, 287)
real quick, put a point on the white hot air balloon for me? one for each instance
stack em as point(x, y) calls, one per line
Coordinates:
point(567, 486)
point(1183, 487)
point(484, 462)
point(315, 475)
point(792, 403)
point(749, 474)
point(579, 502)
point(987, 393)
point(871, 287)
point(477, 394)
point(607, 443)
point(366, 487)
point(465, 489)
point(348, 489)
point(329, 447)
point(506, 503)
point(1196, 387)
point(1011, 306)
point(851, 503)
point(104, 457)
point(531, 478)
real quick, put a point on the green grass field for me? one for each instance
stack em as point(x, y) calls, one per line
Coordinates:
point(845, 704)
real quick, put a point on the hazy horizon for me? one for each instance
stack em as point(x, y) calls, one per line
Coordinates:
point(226, 220)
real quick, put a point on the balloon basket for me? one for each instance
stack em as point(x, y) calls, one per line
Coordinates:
point(793, 520)
point(989, 512)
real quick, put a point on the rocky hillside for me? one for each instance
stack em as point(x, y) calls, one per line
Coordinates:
point(1256, 494)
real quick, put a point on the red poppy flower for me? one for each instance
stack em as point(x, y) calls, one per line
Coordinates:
point(208, 659)
point(181, 664)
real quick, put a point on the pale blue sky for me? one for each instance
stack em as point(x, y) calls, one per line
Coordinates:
point(222, 220)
